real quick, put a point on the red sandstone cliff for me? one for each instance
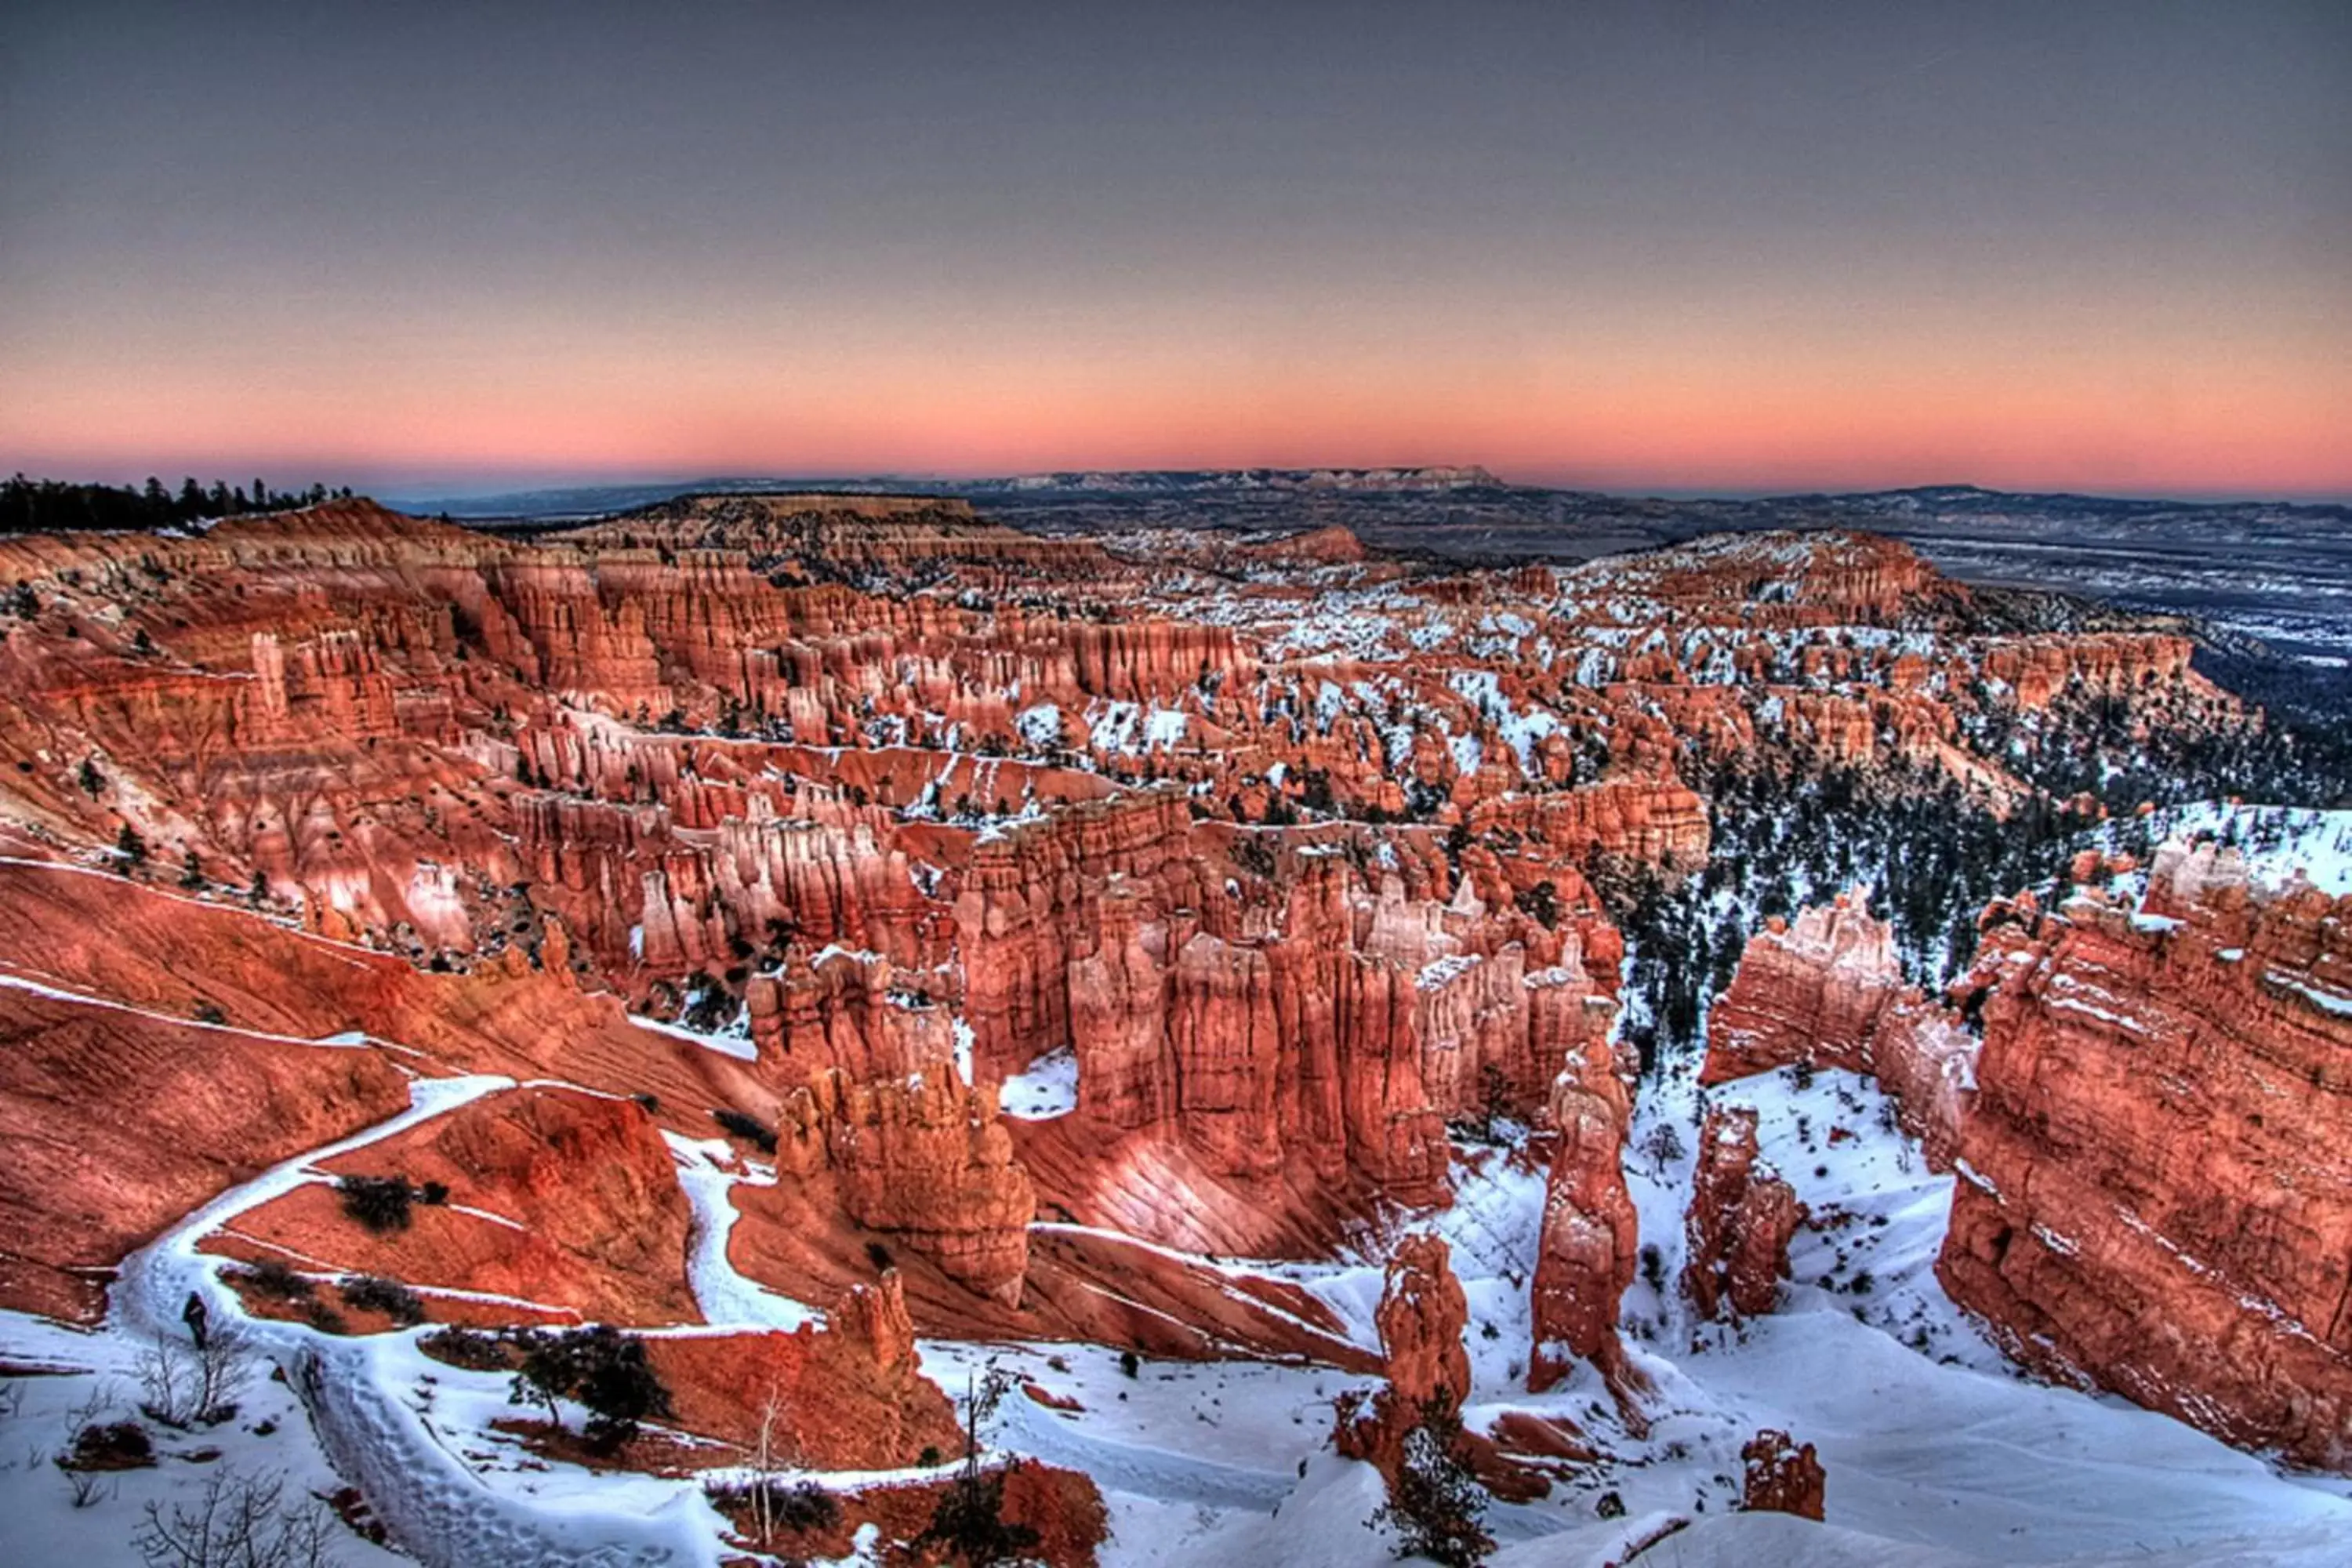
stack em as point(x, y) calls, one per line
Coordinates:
point(2157, 1188)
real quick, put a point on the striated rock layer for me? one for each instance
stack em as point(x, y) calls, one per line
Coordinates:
point(2156, 1190)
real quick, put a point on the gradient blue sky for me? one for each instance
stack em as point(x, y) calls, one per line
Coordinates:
point(1661, 246)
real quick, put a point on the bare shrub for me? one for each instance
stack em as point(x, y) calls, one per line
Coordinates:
point(84, 1487)
point(239, 1520)
point(773, 1504)
point(469, 1348)
point(273, 1278)
point(379, 1203)
point(110, 1446)
point(185, 1382)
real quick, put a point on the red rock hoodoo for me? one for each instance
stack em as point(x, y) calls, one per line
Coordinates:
point(1780, 1476)
point(1591, 1241)
point(1038, 924)
point(1741, 1217)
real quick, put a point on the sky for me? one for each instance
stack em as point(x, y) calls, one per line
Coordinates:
point(1660, 247)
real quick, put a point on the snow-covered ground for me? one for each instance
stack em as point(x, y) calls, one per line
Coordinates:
point(2278, 842)
point(1046, 1088)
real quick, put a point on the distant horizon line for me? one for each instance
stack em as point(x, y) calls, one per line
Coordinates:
point(441, 493)
point(438, 492)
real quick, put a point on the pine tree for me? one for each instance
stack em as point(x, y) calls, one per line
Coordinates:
point(1435, 1503)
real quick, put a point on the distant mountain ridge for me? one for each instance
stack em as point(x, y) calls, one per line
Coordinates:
point(1434, 481)
point(1387, 481)
point(584, 500)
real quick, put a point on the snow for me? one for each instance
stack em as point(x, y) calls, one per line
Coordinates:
point(2334, 1002)
point(733, 1040)
point(1941, 1458)
point(724, 1295)
point(1049, 1089)
point(97, 1380)
point(1041, 726)
point(963, 1034)
point(2278, 842)
point(360, 1396)
point(1938, 1453)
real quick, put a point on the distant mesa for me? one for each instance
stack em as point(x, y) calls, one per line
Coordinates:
point(1448, 477)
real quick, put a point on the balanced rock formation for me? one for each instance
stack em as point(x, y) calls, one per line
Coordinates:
point(1826, 990)
point(1741, 1217)
point(1422, 1316)
point(2156, 1173)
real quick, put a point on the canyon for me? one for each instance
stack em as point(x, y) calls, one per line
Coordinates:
point(931, 982)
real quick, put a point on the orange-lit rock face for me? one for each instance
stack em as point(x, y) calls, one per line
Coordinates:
point(1422, 1317)
point(565, 1201)
point(1274, 852)
point(1826, 992)
point(1741, 1217)
point(118, 1122)
point(2156, 1191)
point(850, 1397)
point(923, 1162)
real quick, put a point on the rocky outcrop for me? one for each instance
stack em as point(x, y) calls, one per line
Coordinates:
point(849, 1396)
point(840, 532)
point(2039, 668)
point(1780, 1476)
point(2156, 1175)
point(1660, 822)
point(1826, 990)
point(1310, 1023)
point(1741, 1217)
point(1276, 849)
point(921, 1162)
point(1591, 1239)
point(1422, 1316)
